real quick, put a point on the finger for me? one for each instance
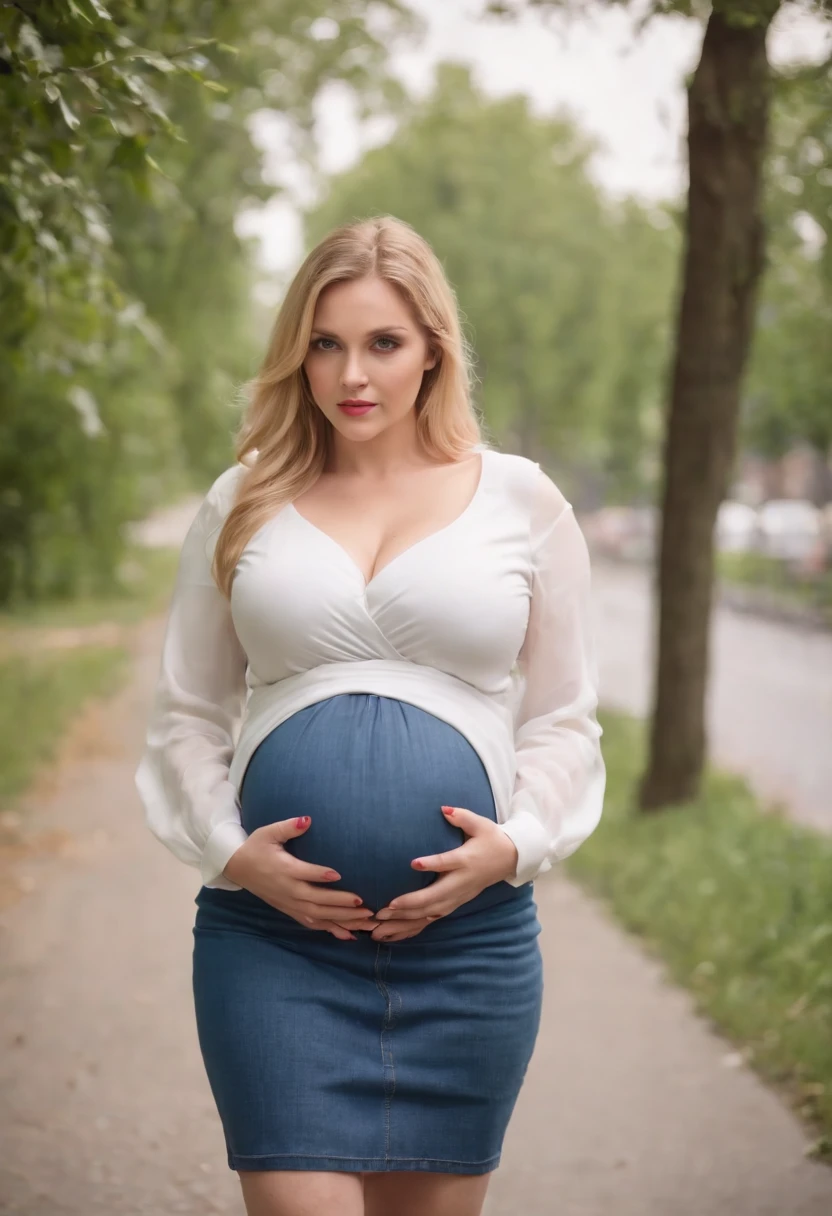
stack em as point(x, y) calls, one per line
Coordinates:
point(422, 903)
point(397, 930)
point(340, 931)
point(343, 932)
point(432, 912)
point(470, 822)
point(285, 829)
point(314, 912)
point(307, 871)
point(440, 862)
point(329, 899)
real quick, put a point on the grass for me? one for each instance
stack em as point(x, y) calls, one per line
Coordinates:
point(738, 904)
point(143, 586)
point(39, 695)
point(779, 581)
point(42, 688)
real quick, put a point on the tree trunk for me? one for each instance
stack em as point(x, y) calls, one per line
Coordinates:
point(728, 103)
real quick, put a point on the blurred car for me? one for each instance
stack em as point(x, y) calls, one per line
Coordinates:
point(788, 529)
point(736, 527)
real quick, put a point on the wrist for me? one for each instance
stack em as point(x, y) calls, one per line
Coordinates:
point(509, 857)
point(224, 841)
point(234, 866)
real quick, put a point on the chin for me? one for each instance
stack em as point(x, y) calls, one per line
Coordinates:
point(356, 429)
point(360, 427)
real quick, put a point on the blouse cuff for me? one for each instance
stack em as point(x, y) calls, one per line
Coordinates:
point(530, 838)
point(223, 842)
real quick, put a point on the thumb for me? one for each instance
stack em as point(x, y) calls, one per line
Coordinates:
point(467, 821)
point(286, 829)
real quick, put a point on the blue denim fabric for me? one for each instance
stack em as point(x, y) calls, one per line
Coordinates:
point(331, 1055)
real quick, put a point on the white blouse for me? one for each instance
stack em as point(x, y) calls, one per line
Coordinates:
point(493, 605)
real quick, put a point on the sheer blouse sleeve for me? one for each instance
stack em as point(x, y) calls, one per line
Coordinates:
point(182, 779)
point(559, 787)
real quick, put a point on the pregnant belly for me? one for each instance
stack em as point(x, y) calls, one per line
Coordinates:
point(373, 774)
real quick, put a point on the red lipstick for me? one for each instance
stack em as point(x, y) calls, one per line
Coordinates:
point(354, 407)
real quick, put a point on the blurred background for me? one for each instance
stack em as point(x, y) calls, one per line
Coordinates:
point(651, 320)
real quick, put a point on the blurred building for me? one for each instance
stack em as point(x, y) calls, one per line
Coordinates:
point(801, 473)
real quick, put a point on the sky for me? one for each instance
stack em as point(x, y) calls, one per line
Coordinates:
point(623, 85)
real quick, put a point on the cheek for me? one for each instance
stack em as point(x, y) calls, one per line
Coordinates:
point(319, 376)
point(402, 376)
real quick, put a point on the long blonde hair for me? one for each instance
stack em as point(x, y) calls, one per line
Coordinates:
point(284, 438)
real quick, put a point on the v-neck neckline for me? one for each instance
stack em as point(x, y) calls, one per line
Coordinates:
point(464, 513)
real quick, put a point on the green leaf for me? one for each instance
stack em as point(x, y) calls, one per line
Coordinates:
point(100, 10)
point(160, 62)
point(71, 120)
point(130, 153)
point(89, 82)
point(60, 155)
point(79, 12)
point(156, 166)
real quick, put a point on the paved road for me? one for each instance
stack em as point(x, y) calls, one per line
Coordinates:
point(770, 698)
point(631, 1106)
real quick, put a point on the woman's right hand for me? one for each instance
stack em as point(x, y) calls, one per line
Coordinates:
point(264, 867)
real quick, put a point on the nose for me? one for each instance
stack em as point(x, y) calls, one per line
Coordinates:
point(353, 374)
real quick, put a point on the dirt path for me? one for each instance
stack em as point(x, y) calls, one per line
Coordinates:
point(631, 1107)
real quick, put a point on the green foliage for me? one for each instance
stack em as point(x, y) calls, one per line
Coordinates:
point(141, 585)
point(126, 319)
point(78, 99)
point(738, 902)
point(39, 695)
point(567, 298)
point(789, 391)
point(42, 687)
point(782, 584)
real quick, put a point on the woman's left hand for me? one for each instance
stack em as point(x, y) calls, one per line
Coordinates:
point(486, 857)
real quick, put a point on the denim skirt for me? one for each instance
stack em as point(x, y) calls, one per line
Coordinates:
point(360, 1055)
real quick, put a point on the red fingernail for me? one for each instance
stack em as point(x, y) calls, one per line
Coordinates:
point(417, 865)
point(331, 874)
point(302, 821)
point(447, 810)
point(358, 902)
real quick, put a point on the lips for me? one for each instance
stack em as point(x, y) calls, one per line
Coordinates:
point(356, 407)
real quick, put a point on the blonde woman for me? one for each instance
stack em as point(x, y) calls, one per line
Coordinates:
point(336, 744)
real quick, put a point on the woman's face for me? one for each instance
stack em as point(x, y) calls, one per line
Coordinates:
point(365, 347)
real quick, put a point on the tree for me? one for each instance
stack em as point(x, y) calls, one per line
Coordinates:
point(728, 106)
point(536, 255)
point(125, 314)
point(728, 119)
point(789, 391)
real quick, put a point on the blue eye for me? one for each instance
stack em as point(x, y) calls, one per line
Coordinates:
point(392, 344)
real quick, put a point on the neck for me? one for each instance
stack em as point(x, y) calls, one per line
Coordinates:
point(395, 449)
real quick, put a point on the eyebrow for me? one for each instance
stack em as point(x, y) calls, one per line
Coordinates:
point(374, 333)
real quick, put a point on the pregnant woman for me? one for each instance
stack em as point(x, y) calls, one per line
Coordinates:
point(338, 744)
